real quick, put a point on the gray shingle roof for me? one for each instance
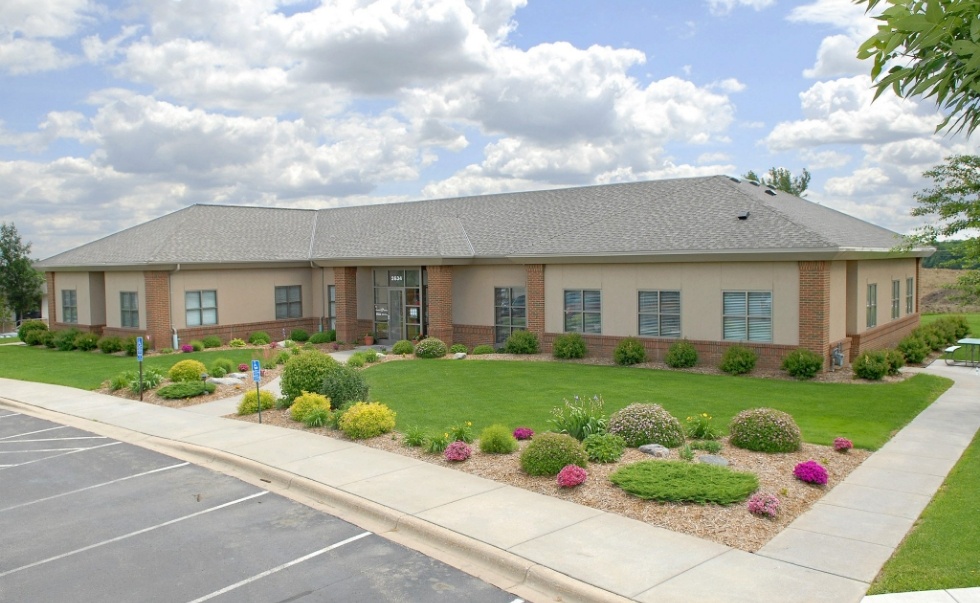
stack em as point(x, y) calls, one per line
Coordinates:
point(665, 217)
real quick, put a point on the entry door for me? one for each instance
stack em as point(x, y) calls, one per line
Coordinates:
point(396, 314)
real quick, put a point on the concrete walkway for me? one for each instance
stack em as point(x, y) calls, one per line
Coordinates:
point(541, 547)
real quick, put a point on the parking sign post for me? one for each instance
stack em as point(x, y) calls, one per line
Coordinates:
point(257, 377)
point(139, 358)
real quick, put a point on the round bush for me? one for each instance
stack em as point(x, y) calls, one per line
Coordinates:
point(366, 420)
point(810, 472)
point(259, 338)
point(571, 476)
point(187, 370)
point(681, 354)
point(643, 423)
point(86, 341)
point(914, 349)
point(35, 336)
point(629, 351)
point(497, 439)
point(738, 360)
point(403, 347)
point(481, 350)
point(521, 342)
point(186, 389)
point(549, 452)
point(343, 384)
point(299, 335)
point(458, 451)
point(223, 363)
point(894, 358)
point(802, 363)
point(764, 430)
point(30, 325)
point(604, 447)
point(458, 348)
point(305, 373)
point(197, 345)
point(65, 340)
point(870, 365)
point(47, 338)
point(568, 346)
point(129, 345)
point(110, 345)
point(430, 347)
point(211, 341)
point(305, 403)
point(249, 406)
point(323, 337)
point(237, 343)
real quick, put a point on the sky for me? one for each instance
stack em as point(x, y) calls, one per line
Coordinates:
point(115, 113)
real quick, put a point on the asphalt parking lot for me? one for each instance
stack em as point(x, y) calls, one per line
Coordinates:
point(87, 518)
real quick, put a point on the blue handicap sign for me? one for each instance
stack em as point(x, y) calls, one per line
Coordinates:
point(139, 349)
point(256, 371)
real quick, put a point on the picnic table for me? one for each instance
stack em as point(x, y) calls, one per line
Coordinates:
point(970, 342)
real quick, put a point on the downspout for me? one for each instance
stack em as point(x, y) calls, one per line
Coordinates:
point(173, 329)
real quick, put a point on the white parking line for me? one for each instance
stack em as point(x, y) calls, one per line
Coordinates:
point(58, 439)
point(33, 432)
point(278, 568)
point(92, 487)
point(131, 534)
point(40, 450)
point(13, 414)
point(54, 456)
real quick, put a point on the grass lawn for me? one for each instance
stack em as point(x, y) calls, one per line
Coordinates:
point(13, 339)
point(436, 394)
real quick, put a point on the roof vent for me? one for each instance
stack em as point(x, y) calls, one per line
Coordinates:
point(743, 216)
point(753, 183)
point(770, 192)
point(734, 179)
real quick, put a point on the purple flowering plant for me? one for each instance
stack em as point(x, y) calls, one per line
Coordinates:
point(811, 472)
point(843, 444)
point(458, 451)
point(764, 504)
point(571, 476)
point(187, 348)
point(523, 433)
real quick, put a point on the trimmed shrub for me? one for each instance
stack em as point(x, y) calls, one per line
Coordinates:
point(366, 420)
point(548, 453)
point(676, 481)
point(458, 348)
point(224, 364)
point(914, 349)
point(482, 350)
point(430, 347)
point(249, 405)
point(643, 423)
point(47, 338)
point(522, 342)
point(738, 360)
point(604, 447)
point(197, 345)
point(764, 430)
point(186, 389)
point(305, 403)
point(870, 365)
point(211, 341)
point(629, 351)
point(86, 341)
point(571, 476)
point(403, 347)
point(497, 439)
point(299, 335)
point(30, 325)
point(580, 417)
point(187, 370)
point(35, 336)
point(129, 345)
point(259, 338)
point(305, 373)
point(65, 340)
point(343, 385)
point(110, 345)
point(568, 346)
point(681, 354)
point(895, 360)
point(324, 337)
point(802, 363)
point(237, 343)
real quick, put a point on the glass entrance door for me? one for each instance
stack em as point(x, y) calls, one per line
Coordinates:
point(399, 310)
point(396, 313)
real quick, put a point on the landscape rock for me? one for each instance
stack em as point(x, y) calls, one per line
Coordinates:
point(459, 355)
point(225, 380)
point(656, 450)
point(713, 459)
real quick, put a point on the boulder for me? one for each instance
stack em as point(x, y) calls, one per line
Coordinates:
point(225, 380)
point(655, 450)
point(459, 355)
point(713, 459)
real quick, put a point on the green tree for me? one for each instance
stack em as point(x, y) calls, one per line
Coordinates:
point(782, 179)
point(931, 48)
point(20, 283)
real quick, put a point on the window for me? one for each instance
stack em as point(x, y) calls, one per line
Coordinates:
point(289, 302)
point(747, 315)
point(583, 311)
point(509, 311)
point(130, 309)
point(896, 299)
point(332, 307)
point(69, 305)
point(909, 296)
point(660, 313)
point(872, 305)
point(201, 308)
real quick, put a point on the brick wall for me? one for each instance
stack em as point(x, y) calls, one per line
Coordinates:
point(348, 329)
point(440, 303)
point(54, 300)
point(885, 336)
point(158, 333)
point(473, 335)
point(814, 327)
point(535, 299)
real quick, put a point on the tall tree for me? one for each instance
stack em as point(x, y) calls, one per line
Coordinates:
point(20, 283)
point(782, 179)
point(932, 49)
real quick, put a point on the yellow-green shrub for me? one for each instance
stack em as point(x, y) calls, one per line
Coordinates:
point(187, 370)
point(306, 402)
point(367, 419)
point(249, 406)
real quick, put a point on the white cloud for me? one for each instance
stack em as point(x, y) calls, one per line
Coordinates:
point(837, 57)
point(28, 29)
point(22, 56)
point(724, 7)
point(817, 160)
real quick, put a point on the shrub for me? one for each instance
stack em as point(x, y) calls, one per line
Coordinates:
point(243, 367)
point(430, 347)
point(802, 363)
point(249, 405)
point(121, 380)
point(187, 370)
point(764, 430)
point(110, 345)
point(914, 349)
point(186, 389)
point(674, 481)
point(299, 335)
point(571, 476)
point(211, 341)
point(35, 336)
point(306, 402)
point(699, 427)
point(65, 340)
point(895, 361)
point(283, 357)
point(30, 325)
point(166, 350)
point(810, 472)
point(324, 336)
point(497, 439)
point(223, 364)
point(403, 347)
point(86, 341)
point(763, 504)
point(642, 423)
point(237, 343)
point(458, 451)
point(371, 356)
point(579, 418)
point(568, 346)
point(521, 342)
point(217, 371)
point(317, 417)
point(305, 373)
point(738, 360)
point(482, 350)
point(523, 433)
point(870, 365)
point(356, 360)
point(259, 338)
point(343, 384)
point(630, 351)
point(197, 345)
point(681, 354)
point(843, 445)
point(187, 348)
point(367, 419)
point(548, 453)
point(604, 447)
point(47, 338)
point(129, 345)
point(458, 348)
point(152, 377)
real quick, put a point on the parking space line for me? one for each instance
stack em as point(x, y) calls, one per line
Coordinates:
point(13, 414)
point(58, 439)
point(33, 432)
point(131, 534)
point(92, 487)
point(54, 456)
point(279, 568)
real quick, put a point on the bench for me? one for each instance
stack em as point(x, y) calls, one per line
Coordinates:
point(948, 354)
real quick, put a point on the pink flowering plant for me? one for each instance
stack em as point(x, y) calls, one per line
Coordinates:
point(811, 472)
point(243, 368)
point(458, 451)
point(523, 433)
point(571, 476)
point(763, 504)
point(187, 348)
point(843, 444)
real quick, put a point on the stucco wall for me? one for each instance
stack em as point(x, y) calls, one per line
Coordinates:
point(117, 282)
point(81, 283)
point(838, 301)
point(244, 296)
point(881, 272)
point(473, 291)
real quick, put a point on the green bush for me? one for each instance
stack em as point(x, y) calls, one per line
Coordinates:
point(65, 340)
point(166, 350)
point(317, 417)
point(324, 337)
point(403, 347)
point(249, 405)
point(370, 356)
point(187, 370)
point(129, 345)
point(30, 325)
point(629, 351)
point(152, 377)
point(580, 417)
point(414, 436)
point(237, 343)
point(356, 360)
point(914, 349)
point(895, 361)
point(35, 336)
point(197, 345)
point(568, 346)
point(110, 345)
point(283, 357)
point(482, 350)
point(211, 341)
point(738, 360)
point(643, 423)
point(802, 363)
point(186, 389)
point(366, 420)
point(299, 335)
point(305, 373)
point(681, 354)
point(305, 403)
point(216, 371)
point(437, 443)
point(604, 447)
point(672, 481)
point(224, 364)
point(259, 338)
point(343, 385)
point(86, 341)
point(699, 427)
point(48, 338)
point(521, 342)
point(430, 347)
point(871, 365)
point(548, 453)
point(458, 348)
point(121, 381)
point(764, 430)
point(497, 439)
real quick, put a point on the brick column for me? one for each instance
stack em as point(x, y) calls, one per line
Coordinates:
point(440, 302)
point(534, 275)
point(158, 326)
point(815, 307)
point(54, 298)
point(345, 279)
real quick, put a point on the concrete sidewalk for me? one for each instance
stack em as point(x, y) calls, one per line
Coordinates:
point(540, 547)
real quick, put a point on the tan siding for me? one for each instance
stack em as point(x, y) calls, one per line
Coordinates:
point(473, 291)
point(244, 296)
